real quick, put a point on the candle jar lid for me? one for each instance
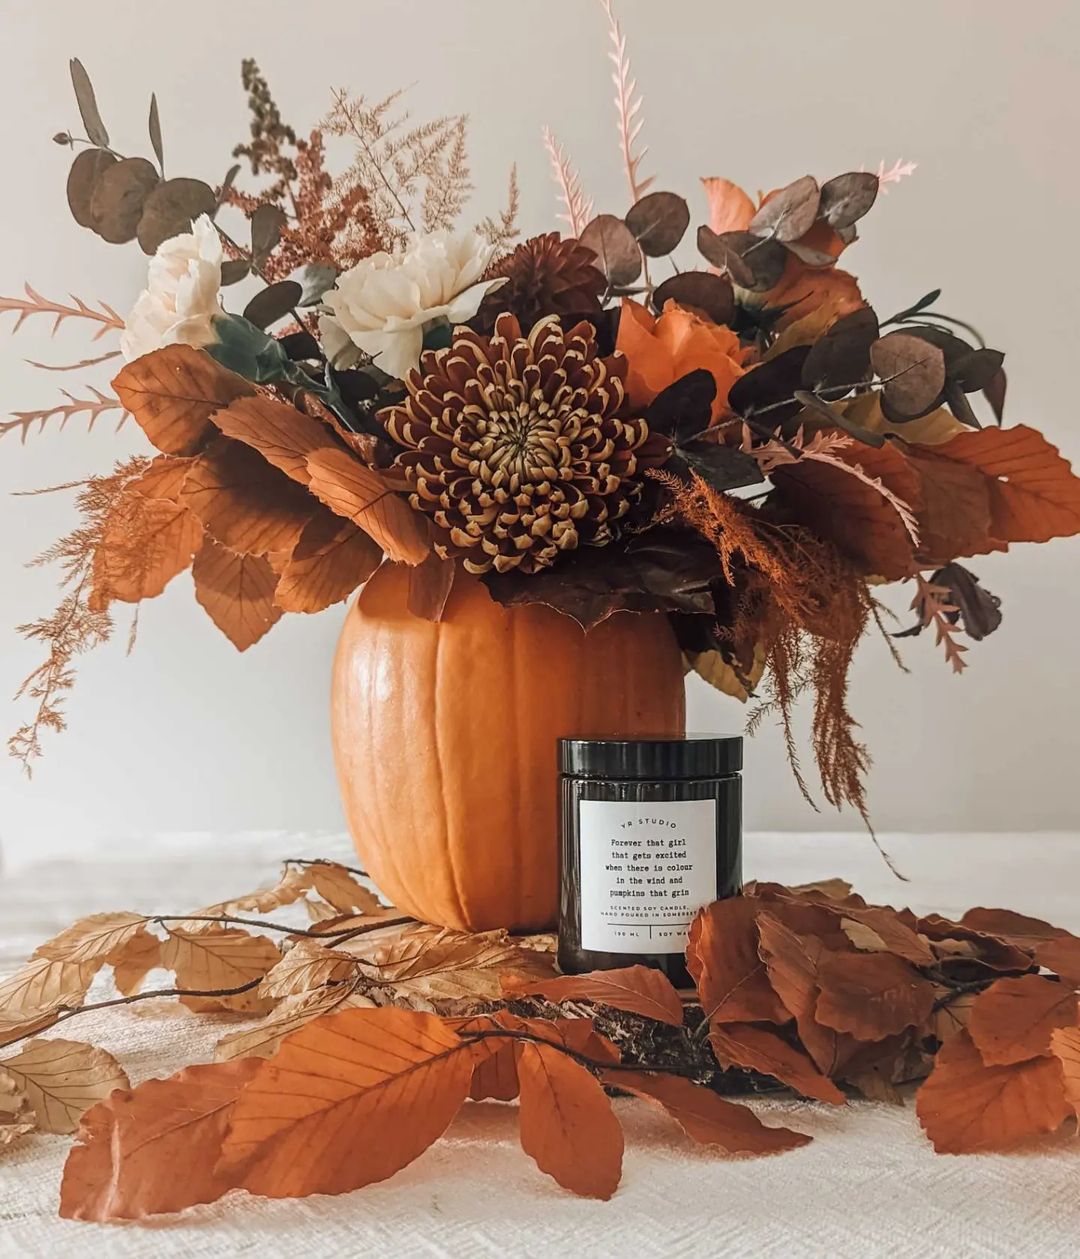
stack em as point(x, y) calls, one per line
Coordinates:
point(662, 757)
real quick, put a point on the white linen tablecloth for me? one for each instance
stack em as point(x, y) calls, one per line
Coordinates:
point(868, 1185)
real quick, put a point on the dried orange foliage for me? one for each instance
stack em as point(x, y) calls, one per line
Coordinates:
point(376, 1030)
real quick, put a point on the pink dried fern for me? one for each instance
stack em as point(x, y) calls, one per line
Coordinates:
point(933, 607)
point(628, 104)
point(578, 208)
point(35, 304)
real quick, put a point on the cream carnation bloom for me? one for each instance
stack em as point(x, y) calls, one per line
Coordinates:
point(381, 305)
point(181, 298)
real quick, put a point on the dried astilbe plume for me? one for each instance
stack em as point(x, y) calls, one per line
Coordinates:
point(804, 606)
point(78, 624)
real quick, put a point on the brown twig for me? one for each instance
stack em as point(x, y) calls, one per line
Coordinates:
point(266, 925)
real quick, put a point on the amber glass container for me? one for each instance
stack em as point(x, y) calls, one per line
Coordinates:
point(651, 831)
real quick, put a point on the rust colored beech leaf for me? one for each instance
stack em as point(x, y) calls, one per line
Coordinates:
point(872, 995)
point(332, 558)
point(704, 1116)
point(966, 1106)
point(638, 989)
point(1014, 927)
point(154, 1149)
point(1061, 956)
point(567, 1124)
point(236, 592)
point(173, 392)
point(1014, 1018)
point(722, 957)
point(347, 1100)
point(280, 433)
point(792, 962)
point(62, 1079)
point(1034, 495)
point(360, 494)
point(993, 952)
point(1065, 1045)
point(244, 502)
point(495, 1077)
point(133, 960)
point(882, 930)
point(759, 1049)
point(305, 966)
point(42, 985)
point(852, 514)
point(954, 517)
point(293, 1013)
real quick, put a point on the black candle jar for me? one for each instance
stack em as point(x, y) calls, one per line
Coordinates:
point(651, 831)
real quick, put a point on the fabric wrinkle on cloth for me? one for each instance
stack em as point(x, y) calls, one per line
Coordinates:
point(868, 1185)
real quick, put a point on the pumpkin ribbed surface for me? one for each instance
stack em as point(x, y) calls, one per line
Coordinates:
point(445, 740)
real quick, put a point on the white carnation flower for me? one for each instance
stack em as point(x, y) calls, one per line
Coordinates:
point(181, 298)
point(383, 304)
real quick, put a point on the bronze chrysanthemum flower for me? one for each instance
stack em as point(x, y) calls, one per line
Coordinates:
point(515, 446)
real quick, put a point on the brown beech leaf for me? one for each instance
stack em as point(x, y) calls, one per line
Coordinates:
point(173, 392)
point(42, 985)
point(706, 1117)
point(637, 989)
point(245, 503)
point(332, 558)
point(430, 584)
point(236, 592)
point(15, 1027)
point(153, 1149)
point(952, 1015)
point(495, 1077)
point(133, 960)
point(340, 889)
point(1034, 495)
point(347, 1101)
point(872, 995)
point(16, 1113)
point(280, 433)
point(92, 939)
point(968, 1107)
point(294, 1012)
point(434, 963)
point(293, 884)
point(306, 966)
point(220, 958)
point(360, 494)
point(1016, 928)
point(828, 889)
point(990, 950)
point(1013, 1019)
point(1065, 1046)
point(722, 957)
point(792, 962)
point(1061, 956)
point(567, 1124)
point(62, 1079)
point(760, 1049)
point(879, 929)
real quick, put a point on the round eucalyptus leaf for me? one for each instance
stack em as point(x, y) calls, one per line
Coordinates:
point(912, 370)
point(790, 213)
point(171, 209)
point(845, 199)
point(85, 171)
point(658, 222)
point(616, 250)
point(701, 291)
point(273, 303)
point(116, 204)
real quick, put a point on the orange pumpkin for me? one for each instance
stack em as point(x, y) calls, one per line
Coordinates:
point(445, 740)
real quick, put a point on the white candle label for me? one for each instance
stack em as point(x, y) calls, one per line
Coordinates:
point(646, 869)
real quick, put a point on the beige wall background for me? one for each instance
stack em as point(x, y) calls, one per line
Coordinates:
point(983, 94)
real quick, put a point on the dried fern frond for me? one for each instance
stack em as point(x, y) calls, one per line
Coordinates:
point(578, 207)
point(628, 103)
point(34, 304)
point(72, 367)
point(933, 607)
point(92, 408)
point(502, 232)
point(397, 162)
point(74, 627)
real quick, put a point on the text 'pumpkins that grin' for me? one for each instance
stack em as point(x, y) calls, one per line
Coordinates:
point(445, 740)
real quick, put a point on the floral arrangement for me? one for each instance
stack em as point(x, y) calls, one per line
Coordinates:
point(743, 444)
point(358, 1037)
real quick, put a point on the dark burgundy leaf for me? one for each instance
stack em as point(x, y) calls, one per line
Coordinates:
point(752, 263)
point(87, 102)
point(233, 270)
point(842, 355)
point(959, 405)
point(790, 213)
point(616, 250)
point(770, 384)
point(658, 222)
point(682, 410)
point(701, 291)
point(721, 467)
point(980, 611)
point(845, 199)
point(273, 303)
point(154, 127)
point(833, 416)
point(266, 224)
point(809, 256)
point(666, 569)
point(913, 372)
point(300, 345)
point(977, 369)
point(994, 393)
